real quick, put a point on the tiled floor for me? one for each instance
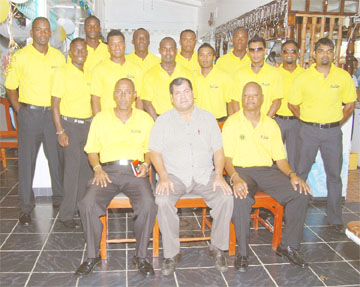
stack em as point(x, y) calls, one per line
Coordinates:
point(46, 254)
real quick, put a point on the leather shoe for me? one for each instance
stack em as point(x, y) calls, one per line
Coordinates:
point(56, 205)
point(87, 266)
point(338, 228)
point(169, 264)
point(241, 263)
point(25, 219)
point(70, 224)
point(143, 265)
point(219, 258)
point(292, 255)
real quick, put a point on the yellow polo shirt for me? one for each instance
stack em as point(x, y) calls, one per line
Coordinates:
point(150, 60)
point(213, 91)
point(192, 64)
point(32, 72)
point(72, 86)
point(321, 99)
point(249, 146)
point(269, 78)
point(114, 140)
point(96, 56)
point(106, 74)
point(230, 63)
point(156, 86)
point(288, 80)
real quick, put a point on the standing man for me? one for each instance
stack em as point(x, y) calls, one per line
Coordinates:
point(213, 84)
point(185, 147)
point(252, 141)
point(71, 111)
point(141, 55)
point(97, 50)
point(108, 72)
point(267, 76)
point(316, 99)
point(286, 120)
point(28, 86)
point(237, 58)
point(155, 91)
point(117, 137)
point(187, 56)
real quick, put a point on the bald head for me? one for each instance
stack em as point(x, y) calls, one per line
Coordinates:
point(252, 97)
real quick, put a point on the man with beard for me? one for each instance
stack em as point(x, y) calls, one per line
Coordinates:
point(286, 120)
point(141, 54)
point(316, 99)
point(28, 87)
point(187, 56)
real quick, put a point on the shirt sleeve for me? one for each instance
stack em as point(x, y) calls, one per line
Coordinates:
point(156, 142)
point(146, 92)
point(150, 124)
point(216, 139)
point(277, 90)
point(96, 87)
point(13, 73)
point(277, 146)
point(295, 96)
point(228, 84)
point(228, 140)
point(348, 94)
point(93, 144)
point(58, 84)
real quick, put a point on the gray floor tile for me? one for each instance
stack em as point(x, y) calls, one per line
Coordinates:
point(53, 280)
point(103, 279)
point(13, 279)
point(318, 252)
point(199, 277)
point(348, 250)
point(24, 242)
point(18, 261)
point(58, 261)
point(158, 280)
point(254, 276)
point(64, 241)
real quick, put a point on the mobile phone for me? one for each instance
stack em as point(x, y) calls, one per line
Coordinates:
point(135, 165)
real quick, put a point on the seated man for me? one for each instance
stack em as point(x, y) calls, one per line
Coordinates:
point(116, 138)
point(184, 145)
point(252, 141)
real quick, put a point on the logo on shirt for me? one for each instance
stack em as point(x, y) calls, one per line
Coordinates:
point(334, 86)
point(54, 67)
point(130, 77)
point(265, 84)
point(242, 137)
point(136, 131)
point(213, 87)
point(264, 137)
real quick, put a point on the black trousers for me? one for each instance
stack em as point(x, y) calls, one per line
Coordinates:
point(77, 170)
point(329, 142)
point(272, 181)
point(96, 199)
point(36, 127)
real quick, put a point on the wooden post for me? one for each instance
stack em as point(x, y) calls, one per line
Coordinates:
point(322, 27)
point(225, 46)
point(338, 42)
point(332, 26)
point(217, 46)
point(289, 33)
point(349, 66)
point(312, 38)
point(303, 40)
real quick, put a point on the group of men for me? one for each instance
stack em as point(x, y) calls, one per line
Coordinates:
point(103, 110)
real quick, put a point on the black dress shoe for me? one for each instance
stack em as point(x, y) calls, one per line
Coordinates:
point(56, 205)
point(87, 266)
point(292, 255)
point(169, 264)
point(219, 259)
point(25, 219)
point(143, 265)
point(70, 224)
point(338, 228)
point(241, 263)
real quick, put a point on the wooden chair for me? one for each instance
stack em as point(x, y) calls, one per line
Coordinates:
point(8, 138)
point(264, 200)
point(121, 201)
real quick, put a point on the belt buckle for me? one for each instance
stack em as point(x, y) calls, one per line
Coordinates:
point(123, 162)
point(322, 126)
point(80, 121)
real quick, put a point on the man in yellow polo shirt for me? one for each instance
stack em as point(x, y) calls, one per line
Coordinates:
point(71, 110)
point(187, 56)
point(141, 54)
point(108, 72)
point(117, 137)
point(28, 86)
point(97, 50)
point(316, 99)
point(267, 76)
point(237, 57)
point(213, 84)
point(252, 141)
point(155, 92)
point(286, 120)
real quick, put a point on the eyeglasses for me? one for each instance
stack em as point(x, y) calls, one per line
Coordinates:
point(256, 49)
point(289, 51)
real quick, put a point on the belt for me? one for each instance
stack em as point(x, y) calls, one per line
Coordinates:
point(77, 121)
point(221, 120)
point(323, 126)
point(285, 118)
point(122, 162)
point(33, 107)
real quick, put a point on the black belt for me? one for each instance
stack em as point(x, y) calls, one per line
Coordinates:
point(77, 121)
point(122, 162)
point(285, 118)
point(221, 120)
point(323, 126)
point(33, 107)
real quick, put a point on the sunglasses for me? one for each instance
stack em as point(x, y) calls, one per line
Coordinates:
point(289, 51)
point(256, 49)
